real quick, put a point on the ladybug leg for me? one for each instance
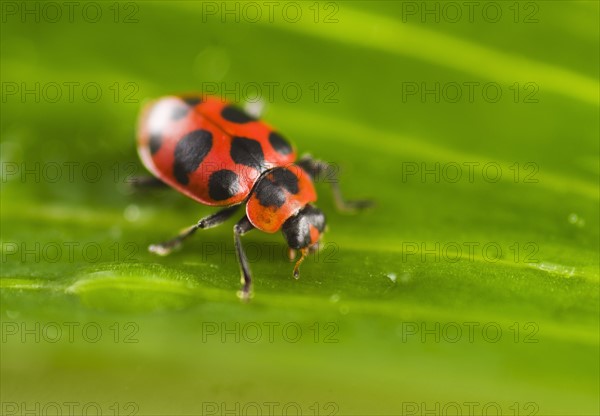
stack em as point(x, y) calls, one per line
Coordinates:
point(291, 254)
point(164, 248)
point(241, 228)
point(304, 252)
point(318, 168)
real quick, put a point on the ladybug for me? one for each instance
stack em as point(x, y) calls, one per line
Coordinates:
point(219, 155)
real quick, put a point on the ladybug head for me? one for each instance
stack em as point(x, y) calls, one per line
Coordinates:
point(304, 229)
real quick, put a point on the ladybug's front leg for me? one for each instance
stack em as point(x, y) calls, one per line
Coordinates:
point(241, 228)
point(164, 248)
point(316, 168)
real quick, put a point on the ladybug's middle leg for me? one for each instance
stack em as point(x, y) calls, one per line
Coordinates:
point(241, 228)
point(317, 168)
point(211, 221)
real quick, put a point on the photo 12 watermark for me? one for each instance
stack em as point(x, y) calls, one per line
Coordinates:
point(474, 408)
point(270, 332)
point(326, 12)
point(470, 332)
point(453, 92)
point(327, 252)
point(270, 408)
point(318, 92)
point(72, 92)
point(469, 251)
point(69, 332)
point(130, 173)
point(88, 12)
point(91, 252)
point(53, 172)
point(469, 172)
point(69, 408)
point(522, 12)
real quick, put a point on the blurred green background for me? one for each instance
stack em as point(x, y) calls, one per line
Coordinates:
point(470, 294)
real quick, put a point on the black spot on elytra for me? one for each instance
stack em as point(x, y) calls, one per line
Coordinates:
point(280, 144)
point(284, 178)
point(190, 152)
point(269, 194)
point(235, 115)
point(154, 142)
point(247, 152)
point(222, 185)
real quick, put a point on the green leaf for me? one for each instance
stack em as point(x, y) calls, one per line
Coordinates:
point(471, 286)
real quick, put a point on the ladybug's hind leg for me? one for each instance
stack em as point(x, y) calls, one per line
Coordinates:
point(241, 228)
point(164, 248)
point(317, 169)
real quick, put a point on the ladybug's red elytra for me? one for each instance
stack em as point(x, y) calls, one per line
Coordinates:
point(217, 154)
